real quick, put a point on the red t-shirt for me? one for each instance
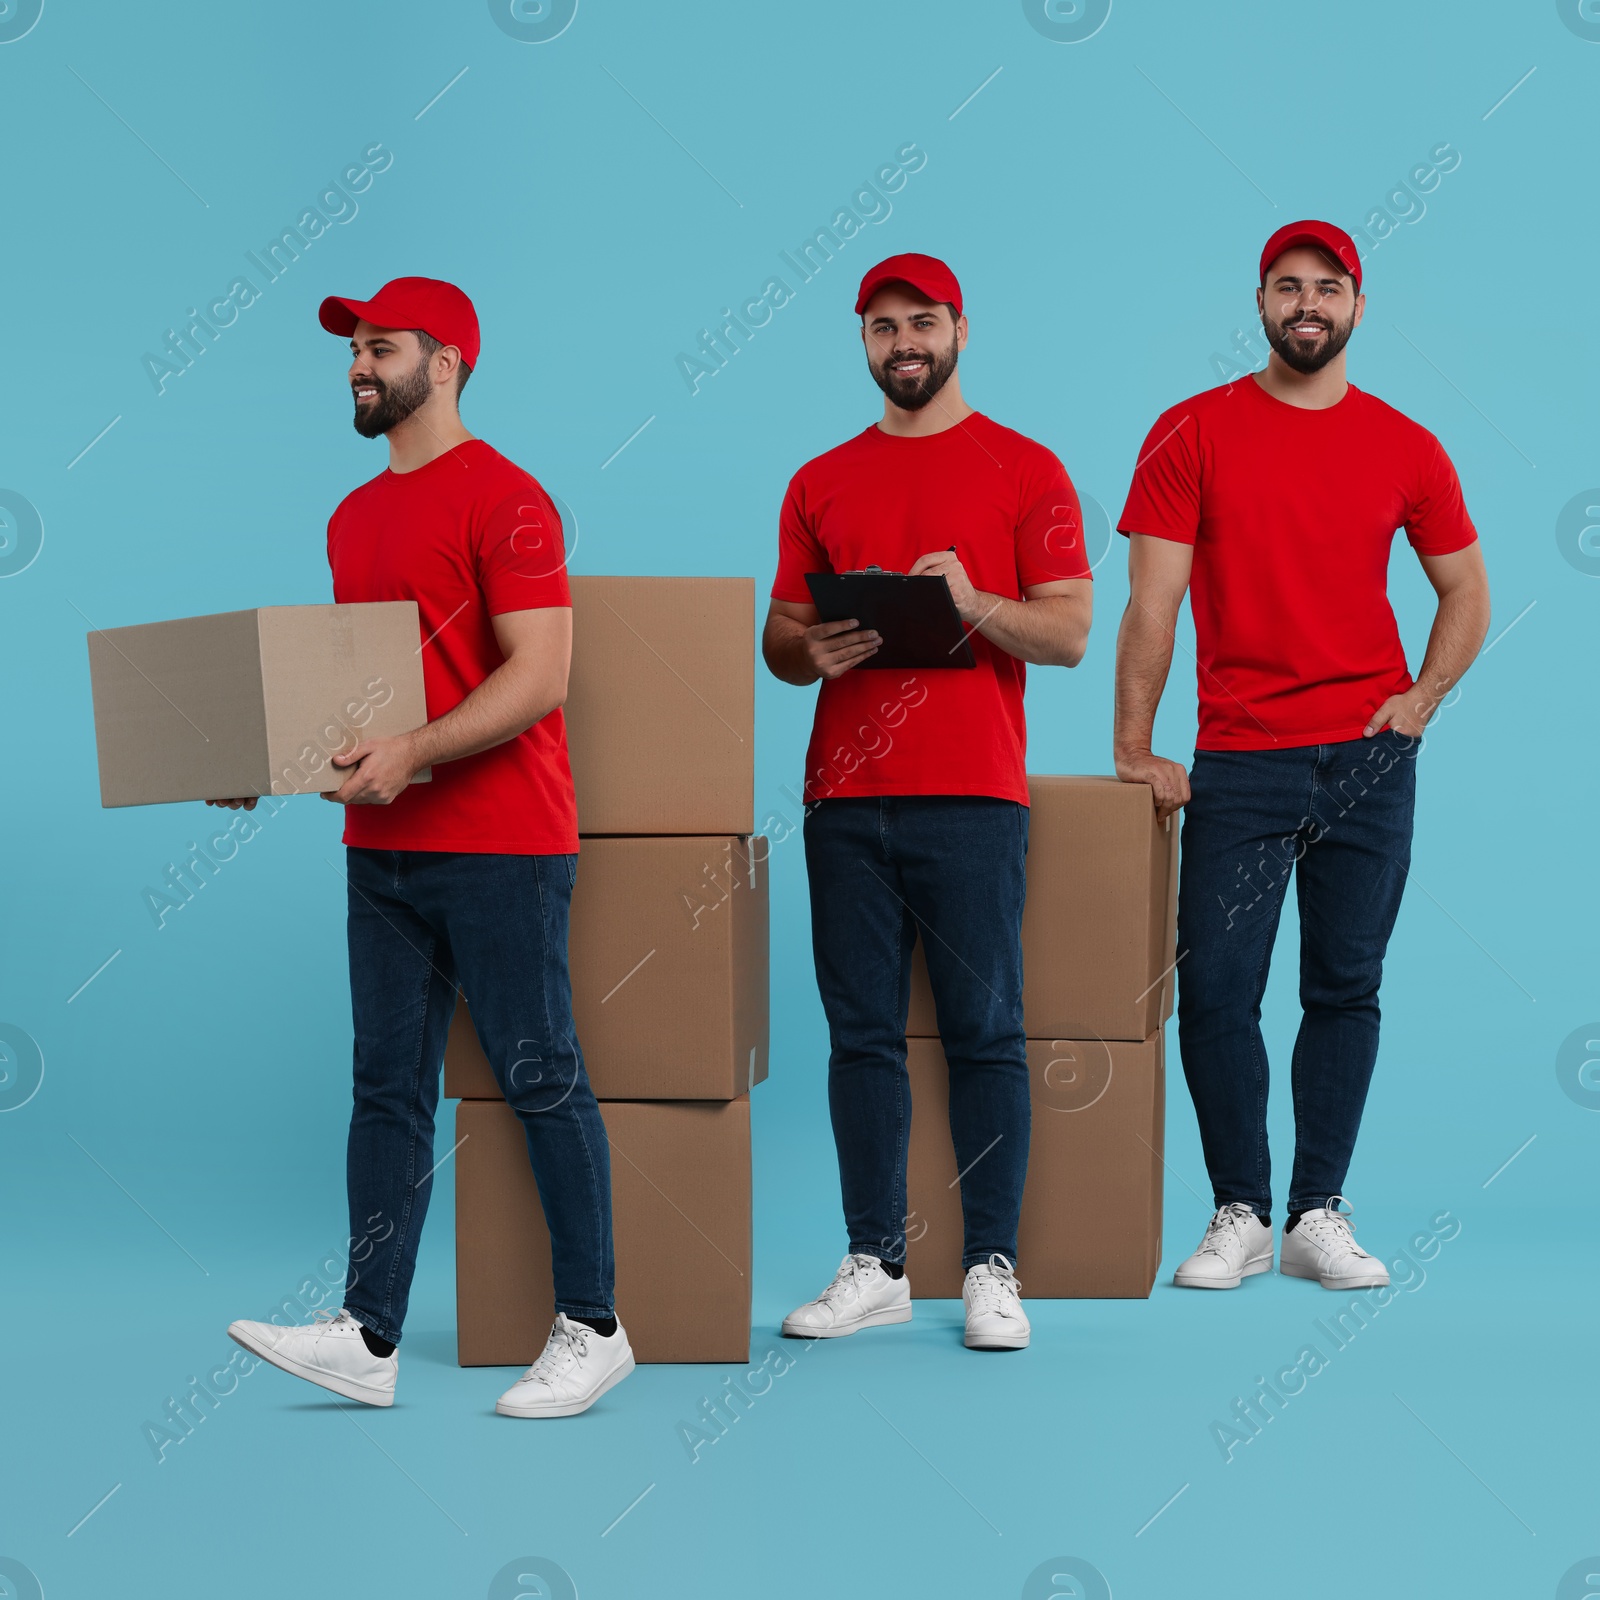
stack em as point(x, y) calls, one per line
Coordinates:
point(1292, 514)
point(468, 537)
point(1010, 510)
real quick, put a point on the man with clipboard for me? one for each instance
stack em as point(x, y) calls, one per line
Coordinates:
point(917, 802)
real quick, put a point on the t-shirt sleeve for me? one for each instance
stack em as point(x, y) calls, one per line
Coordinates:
point(1164, 498)
point(1050, 537)
point(799, 549)
point(1436, 520)
point(521, 554)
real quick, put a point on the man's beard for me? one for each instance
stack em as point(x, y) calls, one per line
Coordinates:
point(1296, 354)
point(395, 401)
point(912, 394)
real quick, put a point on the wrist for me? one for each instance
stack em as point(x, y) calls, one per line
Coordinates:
point(412, 745)
point(980, 608)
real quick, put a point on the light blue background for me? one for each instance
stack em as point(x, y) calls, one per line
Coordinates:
point(1103, 201)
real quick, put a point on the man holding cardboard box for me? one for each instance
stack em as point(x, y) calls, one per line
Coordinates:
point(467, 878)
point(917, 803)
point(1274, 501)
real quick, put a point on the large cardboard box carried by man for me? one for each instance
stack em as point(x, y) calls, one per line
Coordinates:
point(248, 703)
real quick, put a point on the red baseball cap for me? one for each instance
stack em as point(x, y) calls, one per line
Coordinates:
point(438, 308)
point(926, 274)
point(1322, 236)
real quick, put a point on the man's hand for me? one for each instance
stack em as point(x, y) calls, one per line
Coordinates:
point(971, 607)
point(382, 769)
point(235, 805)
point(1407, 713)
point(833, 648)
point(1167, 779)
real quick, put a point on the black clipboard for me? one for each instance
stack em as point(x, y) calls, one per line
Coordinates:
point(915, 617)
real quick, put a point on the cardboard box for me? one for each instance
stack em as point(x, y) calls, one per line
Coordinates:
point(661, 704)
point(1091, 1210)
point(1099, 932)
point(668, 954)
point(680, 1201)
point(250, 702)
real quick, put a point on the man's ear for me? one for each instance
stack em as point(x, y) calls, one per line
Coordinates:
point(961, 331)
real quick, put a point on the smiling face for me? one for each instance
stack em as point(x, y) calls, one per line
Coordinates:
point(912, 344)
point(390, 377)
point(1309, 308)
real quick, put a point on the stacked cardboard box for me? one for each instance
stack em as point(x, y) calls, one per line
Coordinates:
point(668, 954)
point(1098, 938)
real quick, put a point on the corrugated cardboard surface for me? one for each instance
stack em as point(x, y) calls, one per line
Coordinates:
point(668, 954)
point(1091, 1210)
point(1099, 930)
point(661, 705)
point(333, 676)
point(178, 710)
point(680, 1200)
point(249, 702)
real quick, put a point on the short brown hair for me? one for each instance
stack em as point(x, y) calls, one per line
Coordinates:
point(431, 347)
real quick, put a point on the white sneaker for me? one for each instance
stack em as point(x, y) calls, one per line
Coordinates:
point(862, 1295)
point(1237, 1245)
point(995, 1318)
point(330, 1352)
point(1323, 1247)
point(577, 1366)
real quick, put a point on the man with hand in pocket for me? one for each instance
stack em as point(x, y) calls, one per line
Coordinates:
point(1273, 502)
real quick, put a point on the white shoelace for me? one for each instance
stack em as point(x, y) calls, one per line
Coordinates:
point(1223, 1229)
point(996, 1289)
point(1331, 1231)
point(846, 1283)
point(567, 1343)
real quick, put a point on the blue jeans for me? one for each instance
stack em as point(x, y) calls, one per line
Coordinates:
point(1337, 816)
point(883, 869)
point(423, 922)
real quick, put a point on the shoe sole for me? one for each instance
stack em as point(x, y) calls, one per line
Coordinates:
point(1367, 1280)
point(574, 1407)
point(1012, 1341)
point(324, 1380)
point(1251, 1268)
point(876, 1319)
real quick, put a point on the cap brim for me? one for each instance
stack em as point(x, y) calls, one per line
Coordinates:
point(341, 316)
